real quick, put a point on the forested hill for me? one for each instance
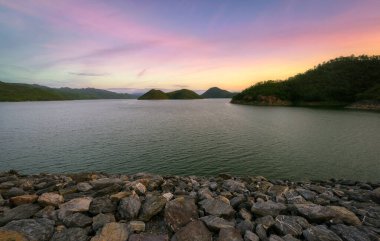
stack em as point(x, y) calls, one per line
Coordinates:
point(340, 81)
point(27, 92)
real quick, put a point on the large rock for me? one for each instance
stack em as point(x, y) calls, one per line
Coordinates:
point(293, 225)
point(102, 205)
point(307, 194)
point(129, 207)
point(250, 236)
point(7, 235)
point(267, 208)
point(194, 230)
point(13, 192)
point(20, 212)
point(101, 219)
point(349, 233)
point(105, 182)
point(234, 186)
point(81, 204)
point(112, 232)
point(148, 237)
point(23, 199)
point(229, 234)
point(70, 234)
point(33, 229)
point(320, 214)
point(84, 187)
point(50, 199)
point(277, 190)
point(136, 226)
point(375, 195)
point(215, 223)
point(77, 220)
point(320, 233)
point(217, 207)
point(180, 212)
point(266, 221)
point(152, 206)
point(48, 212)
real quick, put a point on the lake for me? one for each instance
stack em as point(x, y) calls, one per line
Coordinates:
point(189, 137)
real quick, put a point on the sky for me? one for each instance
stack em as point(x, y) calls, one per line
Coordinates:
point(174, 44)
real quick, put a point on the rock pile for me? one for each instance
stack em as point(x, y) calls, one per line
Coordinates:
point(145, 207)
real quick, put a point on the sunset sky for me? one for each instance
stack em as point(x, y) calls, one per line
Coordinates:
point(172, 44)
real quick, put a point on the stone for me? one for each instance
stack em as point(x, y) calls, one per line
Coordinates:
point(180, 212)
point(289, 237)
point(105, 182)
point(23, 199)
point(229, 234)
point(149, 237)
point(81, 204)
point(14, 191)
point(139, 188)
point(250, 236)
point(195, 230)
point(217, 207)
point(234, 186)
point(320, 233)
point(7, 235)
point(244, 226)
point(136, 226)
point(23, 211)
point(245, 214)
point(261, 232)
point(349, 233)
point(118, 196)
point(129, 207)
point(84, 187)
point(314, 212)
point(204, 193)
point(267, 208)
point(112, 232)
point(375, 195)
point(70, 234)
point(277, 190)
point(6, 185)
point(215, 223)
point(48, 212)
point(102, 205)
point(266, 221)
point(101, 219)
point(50, 199)
point(68, 190)
point(292, 225)
point(342, 214)
point(307, 194)
point(152, 206)
point(236, 201)
point(110, 190)
point(2, 201)
point(77, 220)
point(33, 229)
point(274, 237)
point(213, 186)
point(169, 196)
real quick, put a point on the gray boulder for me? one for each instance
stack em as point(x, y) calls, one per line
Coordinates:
point(23, 211)
point(217, 207)
point(152, 206)
point(70, 234)
point(77, 220)
point(293, 225)
point(229, 234)
point(195, 230)
point(102, 205)
point(180, 212)
point(34, 229)
point(267, 208)
point(320, 233)
point(215, 223)
point(129, 207)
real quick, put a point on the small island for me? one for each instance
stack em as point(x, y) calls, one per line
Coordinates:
point(183, 94)
point(350, 82)
point(215, 93)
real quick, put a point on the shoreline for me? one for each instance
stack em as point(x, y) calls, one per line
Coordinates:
point(147, 207)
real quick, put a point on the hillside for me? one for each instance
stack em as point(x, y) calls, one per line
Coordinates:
point(27, 92)
point(154, 95)
point(216, 92)
point(183, 94)
point(338, 82)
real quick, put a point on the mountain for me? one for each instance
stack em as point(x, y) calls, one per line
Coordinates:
point(216, 92)
point(174, 95)
point(338, 82)
point(183, 94)
point(154, 95)
point(27, 92)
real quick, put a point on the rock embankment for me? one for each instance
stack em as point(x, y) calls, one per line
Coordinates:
point(144, 207)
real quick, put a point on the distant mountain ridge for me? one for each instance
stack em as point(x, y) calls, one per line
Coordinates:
point(29, 92)
point(183, 94)
point(215, 92)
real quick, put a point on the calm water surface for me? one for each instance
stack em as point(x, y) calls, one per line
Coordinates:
point(194, 137)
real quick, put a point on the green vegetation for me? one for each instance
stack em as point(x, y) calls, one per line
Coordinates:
point(154, 95)
point(175, 95)
point(216, 92)
point(26, 92)
point(340, 81)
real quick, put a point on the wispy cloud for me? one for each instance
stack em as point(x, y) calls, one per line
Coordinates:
point(141, 73)
point(88, 74)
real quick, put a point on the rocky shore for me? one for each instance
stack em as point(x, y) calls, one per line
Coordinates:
point(144, 207)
